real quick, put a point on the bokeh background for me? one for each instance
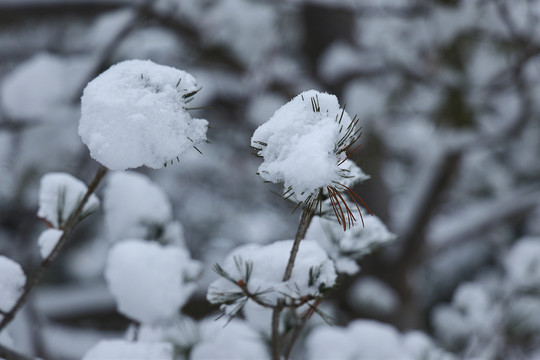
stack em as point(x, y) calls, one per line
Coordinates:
point(448, 96)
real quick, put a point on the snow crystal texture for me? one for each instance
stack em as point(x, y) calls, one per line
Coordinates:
point(134, 114)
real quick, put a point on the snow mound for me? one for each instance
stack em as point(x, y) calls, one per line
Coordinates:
point(59, 196)
point(135, 114)
point(150, 282)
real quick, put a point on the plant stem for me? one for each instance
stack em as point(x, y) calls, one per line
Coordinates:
point(305, 220)
point(72, 221)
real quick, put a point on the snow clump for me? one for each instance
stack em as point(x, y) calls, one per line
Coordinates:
point(150, 282)
point(59, 196)
point(12, 280)
point(135, 114)
point(135, 207)
point(305, 144)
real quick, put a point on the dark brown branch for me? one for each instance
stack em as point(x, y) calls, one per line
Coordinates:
point(47, 262)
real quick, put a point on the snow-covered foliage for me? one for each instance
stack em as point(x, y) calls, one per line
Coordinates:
point(136, 114)
point(305, 143)
point(345, 248)
point(259, 270)
point(444, 91)
point(59, 196)
point(367, 339)
point(149, 281)
point(12, 280)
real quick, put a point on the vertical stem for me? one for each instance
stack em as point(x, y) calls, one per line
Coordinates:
point(47, 262)
point(305, 220)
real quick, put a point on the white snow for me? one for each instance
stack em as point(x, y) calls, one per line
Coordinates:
point(12, 280)
point(422, 347)
point(370, 295)
point(360, 340)
point(135, 114)
point(472, 313)
point(523, 263)
point(42, 87)
point(134, 206)
point(347, 247)
point(301, 145)
point(47, 241)
point(269, 264)
point(59, 196)
point(121, 349)
point(236, 341)
point(250, 38)
point(150, 282)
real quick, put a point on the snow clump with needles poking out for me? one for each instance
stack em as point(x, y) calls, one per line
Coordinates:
point(135, 113)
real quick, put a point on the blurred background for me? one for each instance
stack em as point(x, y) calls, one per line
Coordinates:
point(447, 93)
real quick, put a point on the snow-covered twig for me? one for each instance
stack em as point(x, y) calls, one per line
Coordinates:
point(68, 228)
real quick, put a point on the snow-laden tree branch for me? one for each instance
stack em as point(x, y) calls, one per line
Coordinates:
point(67, 229)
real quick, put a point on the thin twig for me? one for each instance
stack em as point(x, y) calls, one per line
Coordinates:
point(47, 262)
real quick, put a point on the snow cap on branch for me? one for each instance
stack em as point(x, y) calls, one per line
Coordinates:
point(150, 282)
point(59, 196)
point(305, 144)
point(12, 280)
point(135, 114)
